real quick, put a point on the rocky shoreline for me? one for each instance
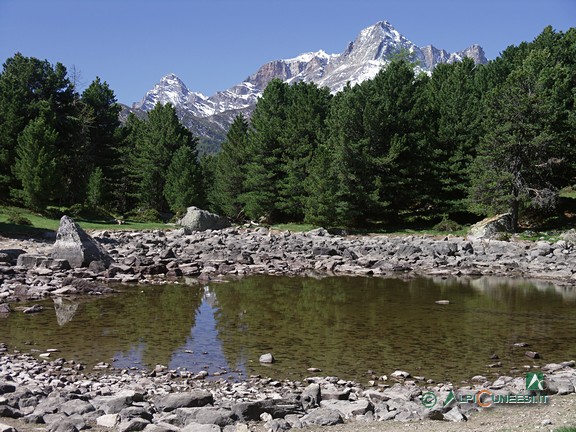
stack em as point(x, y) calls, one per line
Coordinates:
point(62, 395)
point(161, 256)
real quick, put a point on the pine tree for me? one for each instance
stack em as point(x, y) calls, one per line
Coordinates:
point(521, 150)
point(342, 196)
point(303, 129)
point(455, 126)
point(30, 88)
point(35, 166)
point(101, 122)
point(96, 189)
point(265, 150)
point(229, 171)
point(183, 186)
point(158, 138)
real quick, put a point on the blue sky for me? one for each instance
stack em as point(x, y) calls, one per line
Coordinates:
point(214, 44)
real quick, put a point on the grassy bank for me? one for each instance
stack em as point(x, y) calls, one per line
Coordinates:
point(13, 221)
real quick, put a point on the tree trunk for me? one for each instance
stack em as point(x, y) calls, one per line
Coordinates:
point(514, 210)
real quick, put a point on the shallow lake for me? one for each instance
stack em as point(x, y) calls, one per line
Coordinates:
point(344, 326)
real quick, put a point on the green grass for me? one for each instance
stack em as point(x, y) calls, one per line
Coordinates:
point(568, 192)
point(566, 429)
point(549, 236)
point(301, 227)
point(294, 227)
point(41, 223)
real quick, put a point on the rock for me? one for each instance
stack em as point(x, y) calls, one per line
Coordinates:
point(400, 374)
point(278, 425)
point(277, 408)
point(205, 415)
point(135, 424)
point(348, 409)
point(161, 427)
point(6, 428)
point(532, 354)
point(266, 358)
point(7, 387)
point(333, 393)
point(197, 427)
point(546, 422)
point(442, 302)
point(33, 309)
point(64, 425)
point(322, 417)
point(55, 264)
point(201, 220)
point(454, 415)
point(77, 247)
point(112, 404)
point(108, 420)
point(559, 385)
point(29, 260)
point(311, 396)
point(401, 392)
point(490, 228)
point(134, 412)
point(76, 406)
point(195, 398)
point(9, 412)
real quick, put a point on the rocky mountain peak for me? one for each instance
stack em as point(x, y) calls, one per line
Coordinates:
point(363, 58)
point(170, 89)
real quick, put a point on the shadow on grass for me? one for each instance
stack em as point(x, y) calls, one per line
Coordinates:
point(11, 230)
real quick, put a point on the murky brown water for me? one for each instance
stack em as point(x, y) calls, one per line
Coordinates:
point(345, 326)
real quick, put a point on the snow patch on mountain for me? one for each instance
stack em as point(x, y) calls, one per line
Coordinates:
point(363, 58)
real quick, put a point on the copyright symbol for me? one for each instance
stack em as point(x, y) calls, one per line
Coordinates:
point(429, 399)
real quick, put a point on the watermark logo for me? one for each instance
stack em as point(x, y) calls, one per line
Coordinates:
point(486, 398)
point(429, 399)
point(535, 381)
point(449, 399)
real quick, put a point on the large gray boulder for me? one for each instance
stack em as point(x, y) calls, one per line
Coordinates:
point(490, 228)
point(201, 220)
point(77, 247)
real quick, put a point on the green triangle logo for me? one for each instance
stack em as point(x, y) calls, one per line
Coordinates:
point(534, 381)
point(449, 399)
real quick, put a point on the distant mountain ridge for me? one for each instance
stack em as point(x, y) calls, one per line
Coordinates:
point(374, 47)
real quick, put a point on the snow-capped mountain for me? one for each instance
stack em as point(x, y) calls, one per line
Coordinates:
point(372, 49)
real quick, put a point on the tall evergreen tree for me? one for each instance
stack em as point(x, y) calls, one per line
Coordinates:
point(456, 129)
point(521, 150)
point(35, 166)
point(160, 135)
point(265, 150)
point(30, 88)
point(126, 193)
point(304, 126)
point(101, 122)
point(343, 194)
point(183, 186)
point(229, 171)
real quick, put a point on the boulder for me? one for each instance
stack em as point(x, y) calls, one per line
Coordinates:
point(195, 398)
point(201, 220)
point(322, 417)
point(489, 228)
point(77, 247)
